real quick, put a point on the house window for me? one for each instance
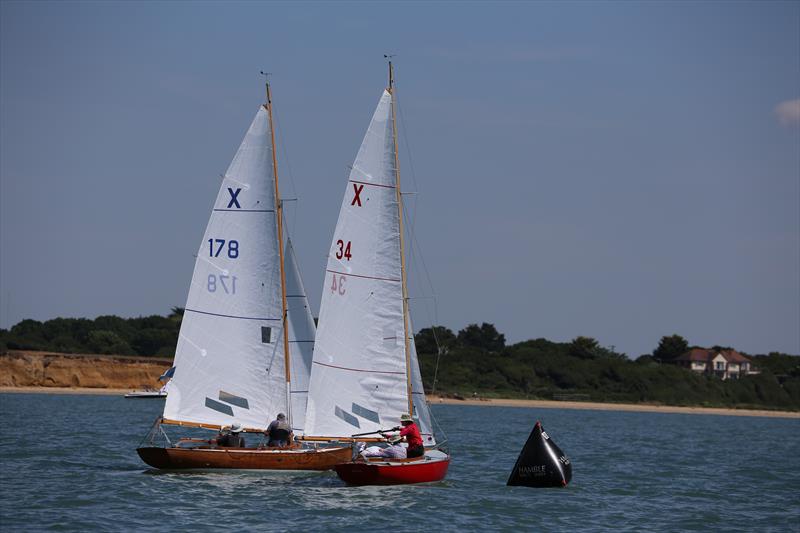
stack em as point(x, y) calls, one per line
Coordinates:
point(720, 365)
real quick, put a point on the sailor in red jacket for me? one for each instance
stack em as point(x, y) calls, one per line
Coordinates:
point(410, 433)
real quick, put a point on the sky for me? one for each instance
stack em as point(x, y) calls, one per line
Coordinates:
point(618, 170)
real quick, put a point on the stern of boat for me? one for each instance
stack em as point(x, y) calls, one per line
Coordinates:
point(433, 467)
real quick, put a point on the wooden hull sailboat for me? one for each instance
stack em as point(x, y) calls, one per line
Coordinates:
point(247, 334)
point(379, 471)
point(365, 371)
point(202, 458)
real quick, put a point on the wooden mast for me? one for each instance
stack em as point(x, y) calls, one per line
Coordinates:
point(279, 214)
point(402, 248)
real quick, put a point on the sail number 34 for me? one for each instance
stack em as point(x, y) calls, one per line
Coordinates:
point(344, 250)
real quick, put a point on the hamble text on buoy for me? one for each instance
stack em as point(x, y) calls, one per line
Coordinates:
point(541, 463)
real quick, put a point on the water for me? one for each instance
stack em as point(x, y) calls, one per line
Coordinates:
point(69, 463)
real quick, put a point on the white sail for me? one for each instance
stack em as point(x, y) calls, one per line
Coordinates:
point(301, 338)
point(229, 362)
point(359, 376)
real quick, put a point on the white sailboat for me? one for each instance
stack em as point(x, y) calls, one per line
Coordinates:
point(365, 371)
point(246, 338)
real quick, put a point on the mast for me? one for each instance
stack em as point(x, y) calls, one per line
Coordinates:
point(403, 276)
point(279, 214)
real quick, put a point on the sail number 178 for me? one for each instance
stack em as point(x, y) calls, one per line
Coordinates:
point(215, 246)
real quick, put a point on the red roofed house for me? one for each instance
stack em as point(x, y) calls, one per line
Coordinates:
point(725, 364)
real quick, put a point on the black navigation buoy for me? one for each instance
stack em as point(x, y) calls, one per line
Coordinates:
point(541, 463)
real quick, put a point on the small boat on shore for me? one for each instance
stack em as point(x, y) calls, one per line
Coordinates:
point(365, 371)
point(247, 333)
point(146, 394)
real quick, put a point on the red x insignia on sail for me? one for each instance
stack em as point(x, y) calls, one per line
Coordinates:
point(357, 199)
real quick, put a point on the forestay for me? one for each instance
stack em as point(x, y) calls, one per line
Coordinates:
point(229, 362)
point(359, 376)
point(421, 412)
point(301, 338)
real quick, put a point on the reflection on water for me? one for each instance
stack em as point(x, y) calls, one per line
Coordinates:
point(73, 466)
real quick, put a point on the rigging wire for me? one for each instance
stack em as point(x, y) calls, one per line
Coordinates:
point(412, 235)
point(415, 245)
point(285, 153)
point(409, 158)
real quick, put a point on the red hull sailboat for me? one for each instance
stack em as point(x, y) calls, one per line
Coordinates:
point(379, 471)
point(365, 372)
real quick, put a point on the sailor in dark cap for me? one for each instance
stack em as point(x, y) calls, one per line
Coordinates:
point(279, 432)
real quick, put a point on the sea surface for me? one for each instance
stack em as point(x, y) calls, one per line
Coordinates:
point(69, 463)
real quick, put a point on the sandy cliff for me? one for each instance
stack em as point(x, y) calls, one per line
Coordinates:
point(44, 369)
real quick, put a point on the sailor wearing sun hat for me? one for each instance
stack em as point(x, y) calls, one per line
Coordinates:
point(231, 438)
point(410, 433)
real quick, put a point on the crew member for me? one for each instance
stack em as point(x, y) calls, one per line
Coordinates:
point(410, 433)
point(232, 439)
point(222, 436)
point(279, 432)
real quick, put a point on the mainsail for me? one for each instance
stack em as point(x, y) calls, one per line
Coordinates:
point(301, 338)
point(229, 362)
point(360, 376)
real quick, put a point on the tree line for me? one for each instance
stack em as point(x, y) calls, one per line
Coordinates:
point(477, 361)
point(110, 335)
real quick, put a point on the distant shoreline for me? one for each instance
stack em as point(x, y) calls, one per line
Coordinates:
point(494, 402)
point(600, 406)
point(94, 391)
